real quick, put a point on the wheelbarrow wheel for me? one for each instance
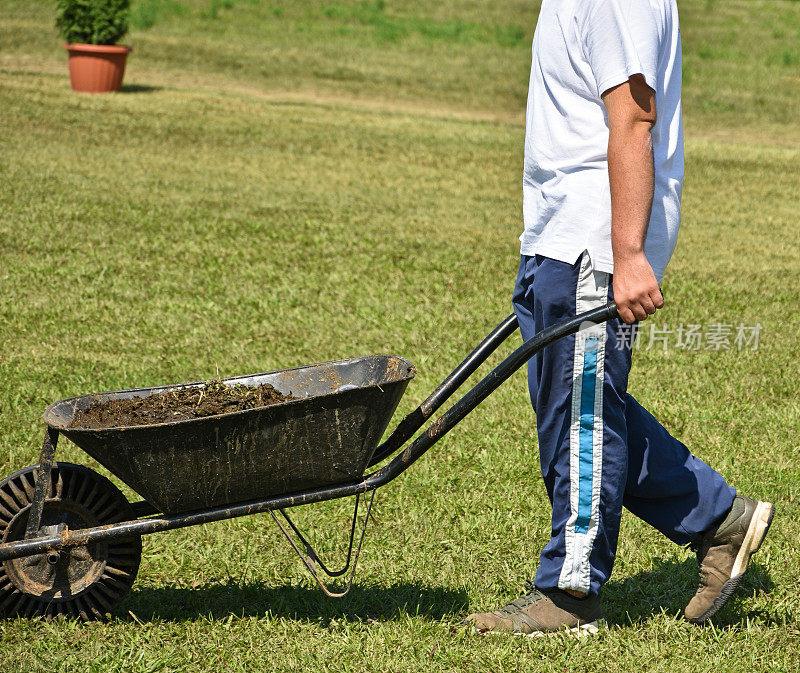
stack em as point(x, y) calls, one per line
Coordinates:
point(86, 581)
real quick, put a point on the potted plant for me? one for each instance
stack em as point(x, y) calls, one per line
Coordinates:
point(91, 29)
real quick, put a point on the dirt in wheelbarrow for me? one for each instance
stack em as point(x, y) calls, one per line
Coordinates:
point(178, 404)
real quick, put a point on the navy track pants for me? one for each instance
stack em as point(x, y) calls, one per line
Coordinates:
point(600, 449)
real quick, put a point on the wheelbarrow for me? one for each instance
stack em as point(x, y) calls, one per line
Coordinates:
point(70, 542)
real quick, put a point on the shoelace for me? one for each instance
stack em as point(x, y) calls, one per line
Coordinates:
point(532, 596)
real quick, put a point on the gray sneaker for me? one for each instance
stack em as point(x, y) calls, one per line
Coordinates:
point(538, 613)
point(723, 554)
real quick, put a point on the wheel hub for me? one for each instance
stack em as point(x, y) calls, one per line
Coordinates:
point(62, 574)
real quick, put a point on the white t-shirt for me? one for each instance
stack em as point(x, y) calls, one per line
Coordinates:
point(582, 48)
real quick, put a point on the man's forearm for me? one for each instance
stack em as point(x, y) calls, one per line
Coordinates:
point(631, 176)
point(631, 111)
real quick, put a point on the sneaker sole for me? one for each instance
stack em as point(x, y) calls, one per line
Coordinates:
point(756, 532)
point(591, 628)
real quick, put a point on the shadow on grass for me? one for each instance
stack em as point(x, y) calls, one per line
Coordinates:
point(139, 88)
point(666, 587)
point(309, 604)
point(669, 585)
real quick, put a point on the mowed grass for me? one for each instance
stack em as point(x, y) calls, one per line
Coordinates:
point(227, 216)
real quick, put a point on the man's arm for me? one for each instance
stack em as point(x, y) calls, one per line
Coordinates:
point(631, 112)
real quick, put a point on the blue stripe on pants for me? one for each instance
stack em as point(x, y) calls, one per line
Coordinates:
point(586, 437)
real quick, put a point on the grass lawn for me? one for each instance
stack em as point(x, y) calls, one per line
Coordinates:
point(297, 182)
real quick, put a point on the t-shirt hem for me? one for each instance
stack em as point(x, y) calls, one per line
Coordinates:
point(553, 253)
point(599, 263)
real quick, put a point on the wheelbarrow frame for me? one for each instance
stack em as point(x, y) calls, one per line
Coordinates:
point(149, 520)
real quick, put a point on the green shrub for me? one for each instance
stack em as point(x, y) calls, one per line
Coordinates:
point(92, 21)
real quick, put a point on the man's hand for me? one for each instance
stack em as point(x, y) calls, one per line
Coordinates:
point(636, 290)
point(631, 109)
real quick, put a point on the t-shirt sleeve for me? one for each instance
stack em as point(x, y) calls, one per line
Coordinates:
point(621, 38)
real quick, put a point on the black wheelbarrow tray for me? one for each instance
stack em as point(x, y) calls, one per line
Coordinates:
point(70, 542)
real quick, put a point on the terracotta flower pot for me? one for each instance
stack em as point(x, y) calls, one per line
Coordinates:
point(96, 68)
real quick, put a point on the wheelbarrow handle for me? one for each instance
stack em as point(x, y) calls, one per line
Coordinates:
point(487, 386)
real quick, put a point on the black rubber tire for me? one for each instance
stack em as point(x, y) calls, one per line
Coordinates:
point(85, 582)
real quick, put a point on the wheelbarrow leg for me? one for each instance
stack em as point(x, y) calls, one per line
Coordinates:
point(42, 487)
point(310, 558)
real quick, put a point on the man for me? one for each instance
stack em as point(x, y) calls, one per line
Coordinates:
point(601, 200)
